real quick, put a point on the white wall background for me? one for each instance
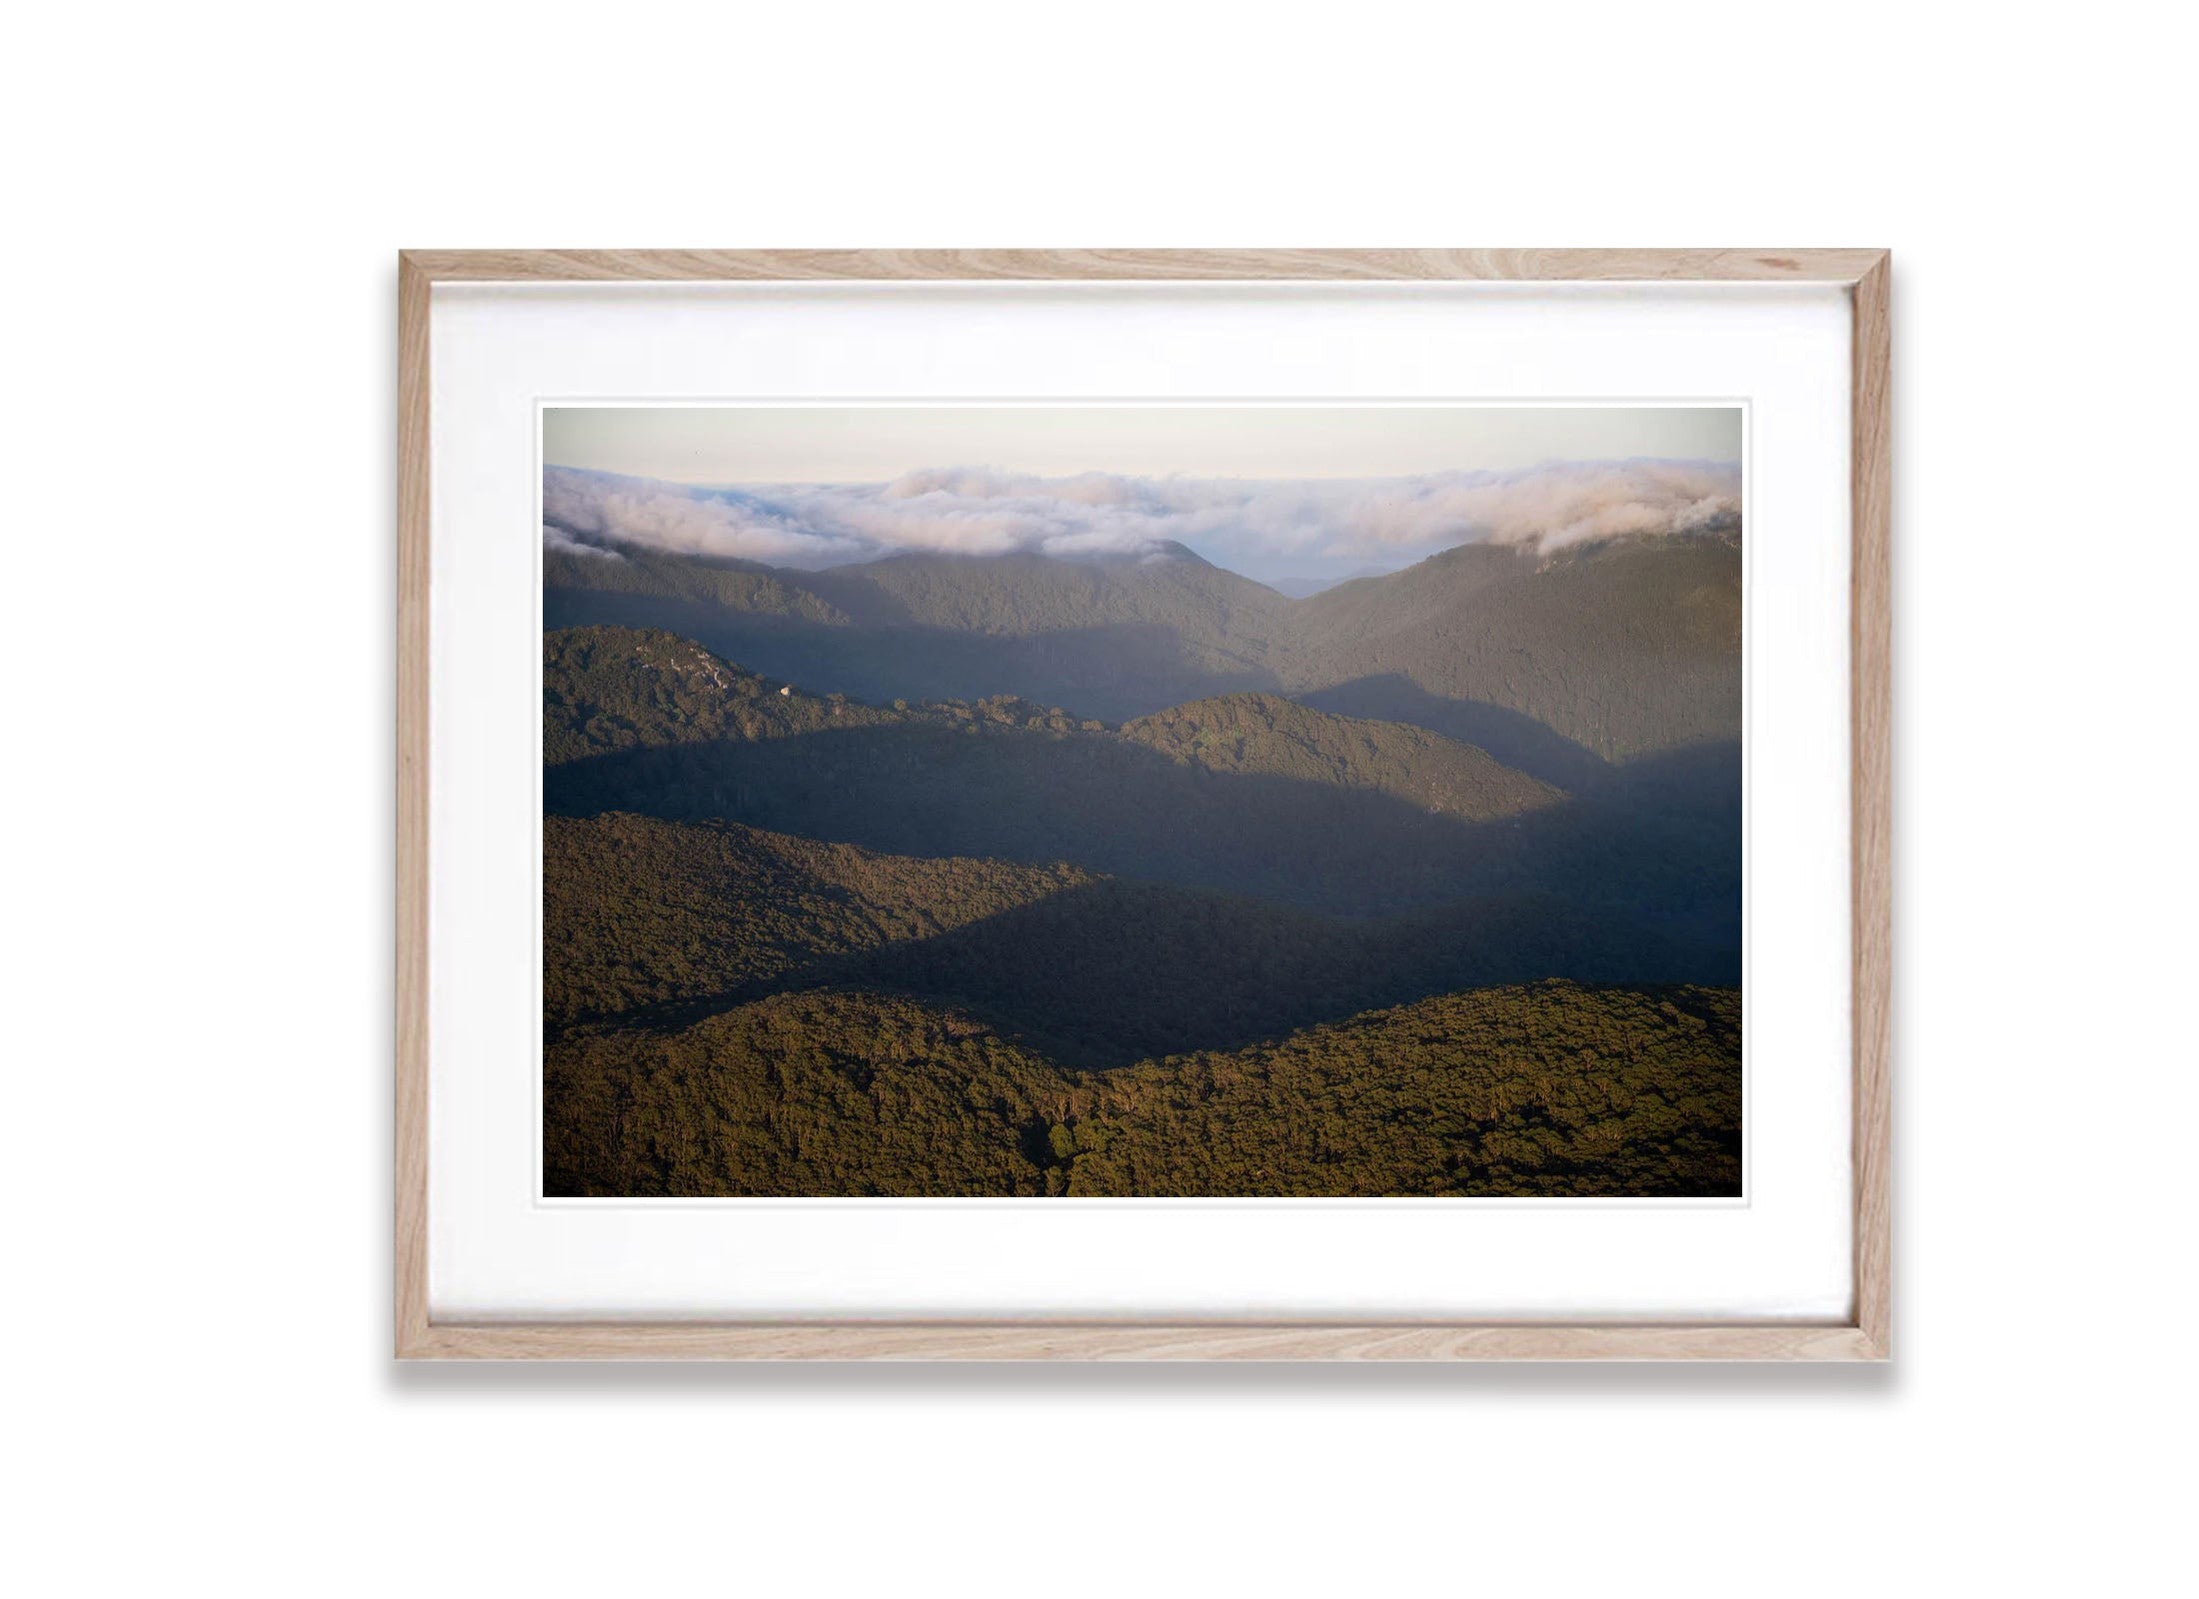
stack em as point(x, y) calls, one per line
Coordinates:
point(198, 422)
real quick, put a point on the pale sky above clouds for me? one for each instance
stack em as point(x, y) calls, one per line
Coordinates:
point(874, 444)
point(1272, 492)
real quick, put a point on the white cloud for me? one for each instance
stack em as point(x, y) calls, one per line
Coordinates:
point(973, 510)
point(1550, 506)
point(559, 542)
point(597, 508)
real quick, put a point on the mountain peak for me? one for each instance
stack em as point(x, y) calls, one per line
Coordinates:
point(1172, 550)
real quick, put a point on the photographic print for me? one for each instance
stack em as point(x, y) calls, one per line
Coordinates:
point(1142, 801)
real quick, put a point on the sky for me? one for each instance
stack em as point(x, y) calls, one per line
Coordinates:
point(1274, 492)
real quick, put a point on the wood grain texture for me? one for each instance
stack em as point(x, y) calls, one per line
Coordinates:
point(411, 1253)
point(1870, 623)
point(1865, 1337)
point(1183, 266)
point(1124, 1341)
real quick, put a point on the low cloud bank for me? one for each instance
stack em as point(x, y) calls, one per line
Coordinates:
point(977, 511)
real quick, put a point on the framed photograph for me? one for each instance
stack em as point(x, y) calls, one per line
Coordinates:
point(1249, 804)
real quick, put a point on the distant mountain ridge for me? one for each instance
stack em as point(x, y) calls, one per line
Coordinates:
point(1562, 663)
point(1625, 648)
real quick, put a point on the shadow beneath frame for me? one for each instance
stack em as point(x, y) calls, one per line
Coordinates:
point(684, 1382)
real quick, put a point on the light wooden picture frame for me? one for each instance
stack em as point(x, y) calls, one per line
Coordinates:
point(1863, 1335)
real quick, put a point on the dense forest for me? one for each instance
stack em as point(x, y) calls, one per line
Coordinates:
point(1546, 1089)
point(642, 913)
point(1036, 876)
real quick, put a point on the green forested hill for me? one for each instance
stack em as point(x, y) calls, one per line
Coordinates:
point(608, 689)
point(1267, 735)
point(802, 1094)
point(639, 913)
point(1547, 1089)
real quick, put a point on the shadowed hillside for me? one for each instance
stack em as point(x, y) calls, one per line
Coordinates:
point(649, 923)
point(1333, 814)
point(1616, 650)
point(1622, 649)
point(1013, 792)
point(1518, 741)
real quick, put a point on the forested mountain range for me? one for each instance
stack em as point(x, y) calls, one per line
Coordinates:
point(1033, 875)
point(1556, 664)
